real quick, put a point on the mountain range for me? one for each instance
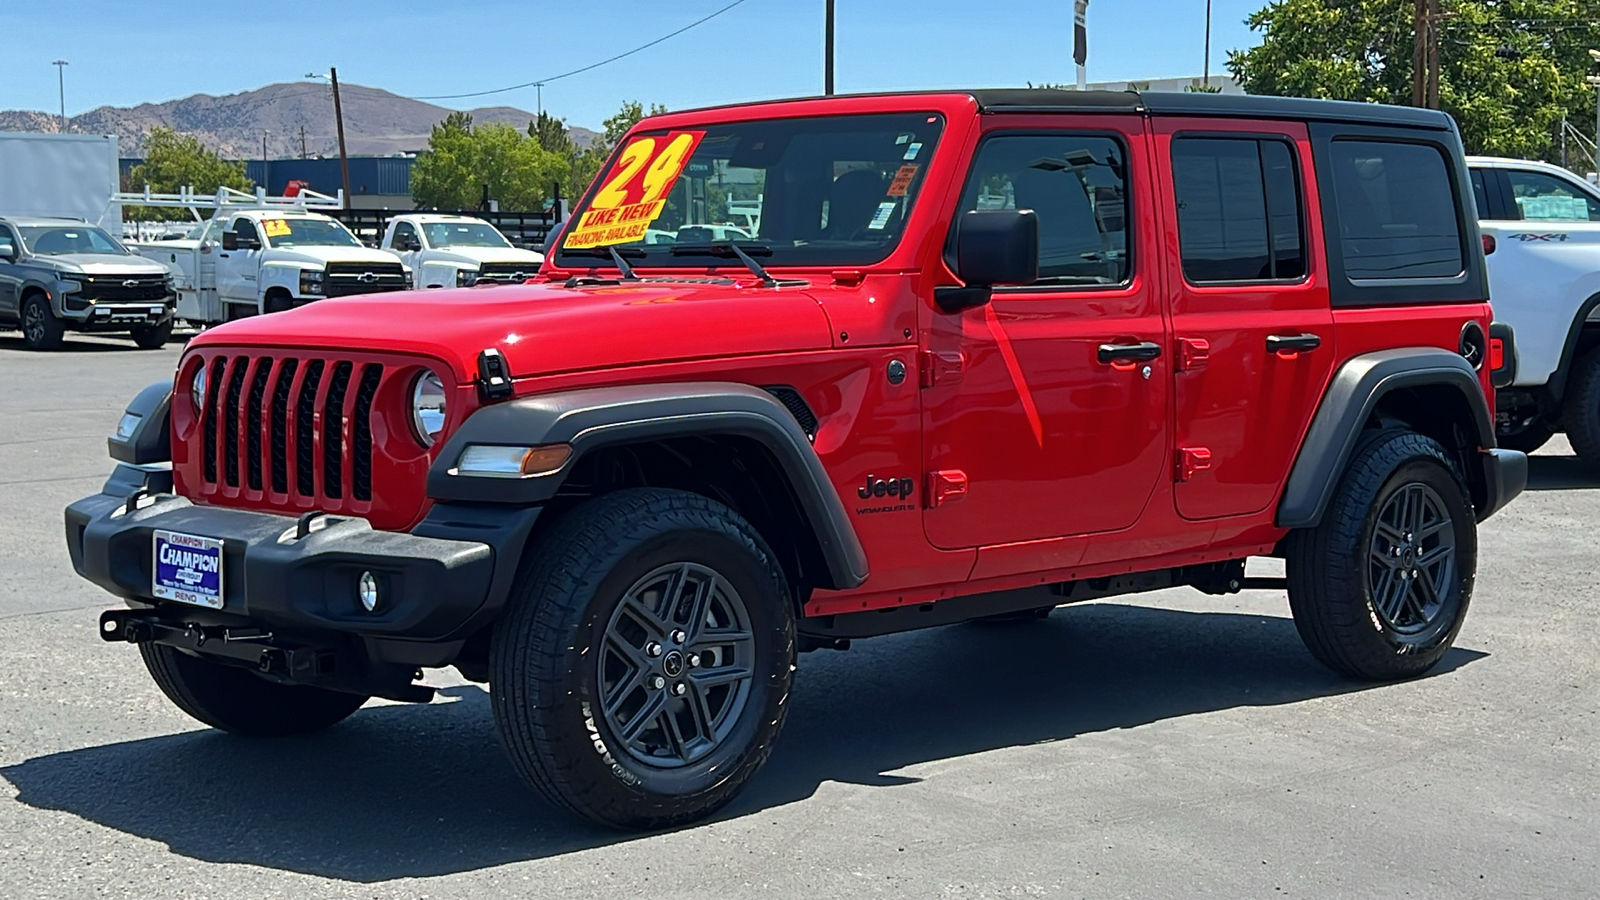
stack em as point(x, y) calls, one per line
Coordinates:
point(296, 119)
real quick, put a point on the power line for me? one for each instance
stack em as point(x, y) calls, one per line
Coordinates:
point(544, 81)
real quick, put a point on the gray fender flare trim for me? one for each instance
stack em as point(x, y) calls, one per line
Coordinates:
point(1350, 399)
point(598, 417)
point(151, 440)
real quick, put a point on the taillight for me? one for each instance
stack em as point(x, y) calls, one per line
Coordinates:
point(1488, 244)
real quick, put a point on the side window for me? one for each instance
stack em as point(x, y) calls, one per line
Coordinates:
point(1239, 210)
point(1480, 193)
point(1076, 184)
point(1546, 198)
point(1397, 213)
point(246, 229)
point(213, 231)
point(404, 235)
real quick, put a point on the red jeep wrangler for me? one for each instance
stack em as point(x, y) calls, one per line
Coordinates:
point(916, 359)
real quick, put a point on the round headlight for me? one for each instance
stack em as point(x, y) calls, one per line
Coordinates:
point(197, 387)
point(427, 408)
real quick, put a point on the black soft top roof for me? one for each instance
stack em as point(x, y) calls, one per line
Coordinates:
point(1163, 103)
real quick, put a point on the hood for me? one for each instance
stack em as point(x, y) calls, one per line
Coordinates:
point(102, 264)
point(546, 328)
point(317, 256)
point(481, 255)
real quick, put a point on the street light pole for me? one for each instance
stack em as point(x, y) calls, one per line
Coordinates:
point(61, 84)
point(827, 50)
point(1205, 78)
point(266, 167)
point(338, 118)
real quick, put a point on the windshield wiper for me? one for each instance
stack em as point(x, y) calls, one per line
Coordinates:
point(615, 254)
point(729, 250)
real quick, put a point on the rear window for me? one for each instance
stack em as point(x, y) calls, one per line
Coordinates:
point(1397, 212)
point(1238, 210)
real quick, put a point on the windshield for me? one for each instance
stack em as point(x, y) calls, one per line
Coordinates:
point(62, 240)
point(463, 234)
point(307, 233)
point(833, 190)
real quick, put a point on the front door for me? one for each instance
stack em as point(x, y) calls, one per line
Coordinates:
point(1050, 403)
point(237, 269)
point(1252, 328)
point(10, 275)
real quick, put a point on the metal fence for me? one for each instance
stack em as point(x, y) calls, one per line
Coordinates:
point(529, 230)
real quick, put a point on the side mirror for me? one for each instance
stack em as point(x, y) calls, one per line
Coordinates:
point(230, 240)
point(994, 247)
point(8, 251)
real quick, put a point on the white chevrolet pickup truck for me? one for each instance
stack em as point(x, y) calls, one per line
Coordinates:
point(1541, 225)
point(456, 251)
point(245, 262)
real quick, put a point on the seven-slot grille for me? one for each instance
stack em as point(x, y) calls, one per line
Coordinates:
point(290, 426)
point(122, 287)
point(344, 279)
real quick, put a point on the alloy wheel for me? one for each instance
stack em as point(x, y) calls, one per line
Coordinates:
point(1411, 559)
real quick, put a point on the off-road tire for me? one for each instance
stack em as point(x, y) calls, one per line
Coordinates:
point(1530, 438)
point(1330, 566)
point(1580, 409)
point(152, 337)
point(41, 330)
point(240, 702)
point(546, 656)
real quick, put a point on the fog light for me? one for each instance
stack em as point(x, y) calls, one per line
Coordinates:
point(367, 588)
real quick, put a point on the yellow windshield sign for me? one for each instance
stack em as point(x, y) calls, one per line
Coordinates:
point(634, 193)
point(275, 227)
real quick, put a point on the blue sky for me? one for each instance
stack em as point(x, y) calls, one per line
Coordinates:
point(122, 53)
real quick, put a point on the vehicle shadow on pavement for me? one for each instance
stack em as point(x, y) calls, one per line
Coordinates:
point(401, 792)
point(1561, 473)
point(13, 341)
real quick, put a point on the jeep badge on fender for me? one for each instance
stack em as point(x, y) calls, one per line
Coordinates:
point(631, 539)
point(898, 488)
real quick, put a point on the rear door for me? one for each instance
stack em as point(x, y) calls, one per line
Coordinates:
point(1051, 434)
point(1252, 325)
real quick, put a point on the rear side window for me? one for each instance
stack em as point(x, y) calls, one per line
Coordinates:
point(1239, 211)
point(1076, 184)
point(1546, 198)
point(1397, 213)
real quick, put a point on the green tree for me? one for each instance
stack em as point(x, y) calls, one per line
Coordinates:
point(173, 161)
point(1511, 70)
point(463, 160)
point(551, 133)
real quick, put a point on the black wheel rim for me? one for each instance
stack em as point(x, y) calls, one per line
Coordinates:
point(1412, 559)
point(676, 665)
point(33, 323)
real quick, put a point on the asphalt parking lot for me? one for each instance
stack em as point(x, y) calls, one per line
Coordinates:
point(1162, 746)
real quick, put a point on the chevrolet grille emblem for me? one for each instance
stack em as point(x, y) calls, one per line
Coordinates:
point(131, 283)
point(367, 277)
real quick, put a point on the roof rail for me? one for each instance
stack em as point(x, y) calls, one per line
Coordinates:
point(228, 198)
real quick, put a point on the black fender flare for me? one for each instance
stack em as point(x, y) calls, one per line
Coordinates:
point(1352, 395)
point(1557, 385)
point(592, 418)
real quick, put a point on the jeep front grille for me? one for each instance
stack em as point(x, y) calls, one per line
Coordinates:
point(292, 430)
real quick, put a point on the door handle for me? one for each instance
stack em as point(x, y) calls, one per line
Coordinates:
point(1144, 351)
point(223, 255)
point(1292, 343)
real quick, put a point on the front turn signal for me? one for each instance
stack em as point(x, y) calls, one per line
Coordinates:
point(502, 461)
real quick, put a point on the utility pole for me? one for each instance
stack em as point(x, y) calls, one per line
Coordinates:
point(266, 167)
point(302, 140)
point(1080, 41)
point(1205, 78)
point(827, 49)
point(1434, 75)
point(338, 117)
point(61, 83)
point(1425, 72)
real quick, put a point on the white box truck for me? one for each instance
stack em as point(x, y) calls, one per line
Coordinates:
point(73, 176)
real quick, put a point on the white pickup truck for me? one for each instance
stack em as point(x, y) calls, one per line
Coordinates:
point(1541, 224)
point(456, 251)
point(262, 256)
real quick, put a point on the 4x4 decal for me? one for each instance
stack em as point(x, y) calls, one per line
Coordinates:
point(1525, 237)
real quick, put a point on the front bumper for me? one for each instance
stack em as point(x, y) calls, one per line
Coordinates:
point(299, 576)
point(1505, 476)
point(115, 315)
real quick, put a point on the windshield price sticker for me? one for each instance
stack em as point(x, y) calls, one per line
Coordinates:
point(634, 193)
point(275, 227)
